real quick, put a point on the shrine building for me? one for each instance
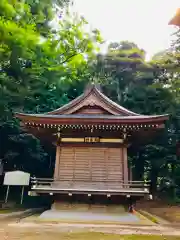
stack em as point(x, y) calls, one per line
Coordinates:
point(92, 135)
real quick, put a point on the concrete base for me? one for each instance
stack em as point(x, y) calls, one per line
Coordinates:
point(82, 216)
point(67, 212)
point(84, 207)
point(88, 216)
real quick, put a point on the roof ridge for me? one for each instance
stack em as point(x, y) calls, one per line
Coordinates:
point(121, 108)
point(113, 107)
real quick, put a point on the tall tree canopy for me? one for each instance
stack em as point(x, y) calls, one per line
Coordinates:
point(47, 55)
point(41, 56)
point(147, 88)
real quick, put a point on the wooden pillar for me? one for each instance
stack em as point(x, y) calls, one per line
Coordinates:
point(56, 170)
point(130, 174)
point(125, 164)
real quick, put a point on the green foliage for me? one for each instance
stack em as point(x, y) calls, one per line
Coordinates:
point(47, 56)
point(41, 58)
point(148, 88)
point(122, 68)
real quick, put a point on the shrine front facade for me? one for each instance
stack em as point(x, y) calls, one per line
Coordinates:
point(92, 134)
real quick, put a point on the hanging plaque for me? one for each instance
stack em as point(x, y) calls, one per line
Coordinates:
point(91, 139)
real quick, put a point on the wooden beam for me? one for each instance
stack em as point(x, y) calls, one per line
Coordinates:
point(56, 170)
point(103, 140)
point(109, 140)
point(125, 165)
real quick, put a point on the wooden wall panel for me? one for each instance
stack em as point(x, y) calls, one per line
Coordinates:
point(98, 164)
point(115, 164)
point(91, 165)
point(90, 110)
point(66, 164)
point(82, 164)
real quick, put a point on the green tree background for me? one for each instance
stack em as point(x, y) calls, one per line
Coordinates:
point(47, 57)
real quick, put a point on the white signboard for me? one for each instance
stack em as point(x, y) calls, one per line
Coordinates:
point(16, 178)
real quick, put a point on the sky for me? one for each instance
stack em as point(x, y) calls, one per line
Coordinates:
point(144, 22)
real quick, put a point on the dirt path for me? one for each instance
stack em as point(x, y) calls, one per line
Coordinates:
point(26, 229)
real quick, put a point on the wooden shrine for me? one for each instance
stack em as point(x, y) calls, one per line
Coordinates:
point(92, 134)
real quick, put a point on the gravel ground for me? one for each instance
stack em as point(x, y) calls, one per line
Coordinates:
point(28, 230)
point(25, 229)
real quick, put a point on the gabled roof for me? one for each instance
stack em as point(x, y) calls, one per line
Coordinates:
point(92, 96)
point(91, 118)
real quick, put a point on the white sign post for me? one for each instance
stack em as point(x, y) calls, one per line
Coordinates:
point(16, 178)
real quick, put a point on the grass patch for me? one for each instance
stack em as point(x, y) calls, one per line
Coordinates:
point(6, 211)
point(149, 216)
point(170, 213)
point(161, 209)
point(104, 236)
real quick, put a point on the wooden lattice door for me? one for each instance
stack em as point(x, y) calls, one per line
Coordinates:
point(90, 164)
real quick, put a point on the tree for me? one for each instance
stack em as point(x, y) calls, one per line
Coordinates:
point(121, 68)
point(38, 66)
point(148, 88)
